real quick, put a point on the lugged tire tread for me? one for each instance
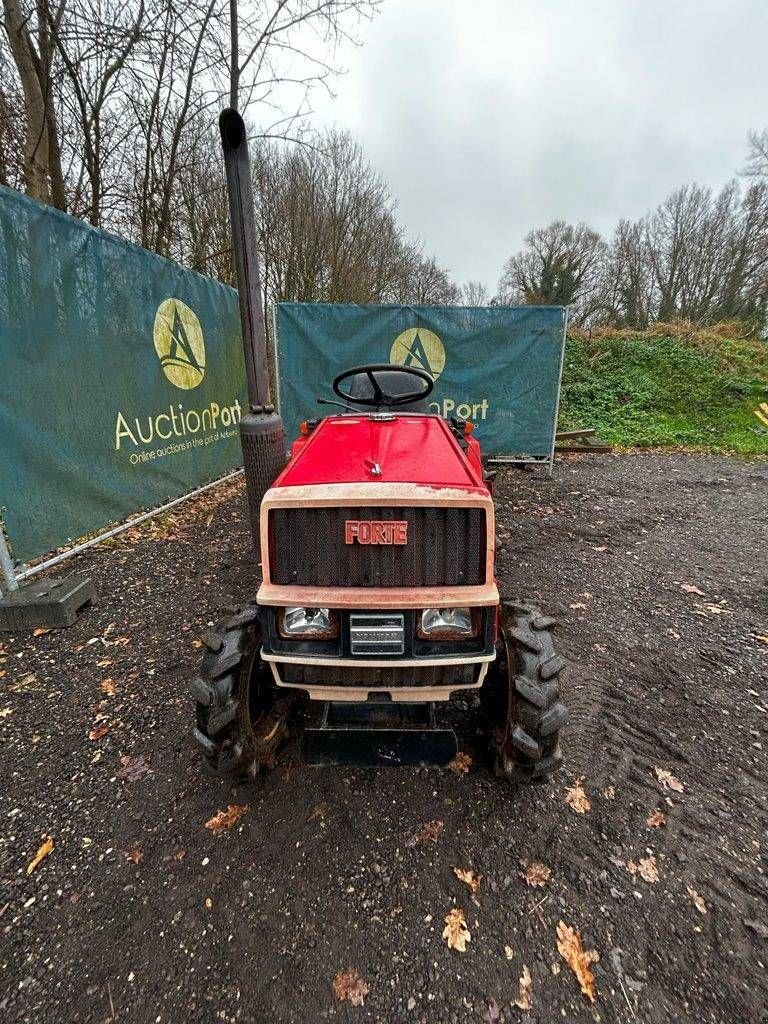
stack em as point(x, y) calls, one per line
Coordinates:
point(223, 729)
point(532, 751)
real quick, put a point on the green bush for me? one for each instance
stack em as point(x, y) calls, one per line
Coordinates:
point(671, 386)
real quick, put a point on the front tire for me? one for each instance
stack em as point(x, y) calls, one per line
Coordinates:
point(521, 698)
point(240, 716)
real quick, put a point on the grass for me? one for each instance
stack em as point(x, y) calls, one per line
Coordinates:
point(669, 386)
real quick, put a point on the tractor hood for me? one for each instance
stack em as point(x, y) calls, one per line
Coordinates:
point(391, 448)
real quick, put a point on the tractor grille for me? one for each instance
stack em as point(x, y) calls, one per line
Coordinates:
point(446, 547)
point(390, 676)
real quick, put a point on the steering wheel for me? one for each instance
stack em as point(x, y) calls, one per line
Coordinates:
point(380, 396)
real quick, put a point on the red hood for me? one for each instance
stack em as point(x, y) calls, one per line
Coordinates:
point(408, 449)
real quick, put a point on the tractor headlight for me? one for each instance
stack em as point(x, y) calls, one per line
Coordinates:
point(447, 624)
point(308, 623)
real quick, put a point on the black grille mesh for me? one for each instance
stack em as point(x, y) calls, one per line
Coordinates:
point(446, 547)
point(426, 675)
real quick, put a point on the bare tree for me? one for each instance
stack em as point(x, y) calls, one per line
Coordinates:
point(757, 164)
point(559, 266)
point(31, 52)
point(474, 293)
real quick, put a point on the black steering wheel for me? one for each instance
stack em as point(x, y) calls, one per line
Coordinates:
point(380, 396)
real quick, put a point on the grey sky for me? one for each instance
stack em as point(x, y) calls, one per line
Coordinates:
point(488, 118)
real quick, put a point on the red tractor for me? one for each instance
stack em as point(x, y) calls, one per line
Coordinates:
point(379, 597)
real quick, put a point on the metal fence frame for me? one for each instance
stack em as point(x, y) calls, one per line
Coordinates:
point(11, 578)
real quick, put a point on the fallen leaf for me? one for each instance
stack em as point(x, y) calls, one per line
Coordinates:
point(41, 631)
point(98, 731)
point(318, 812)
point(523, 1001)
point(134, 767)
point(576, 798)
point(509, 952)
point(536, 874)
point(577, 604)
point(431, 832)
point(4, 712)
point(179, 854)
point(689, 588)
point(108, 687)
point(492, 1013)
point(226, 819)
point(609, 793)
point(349, 986)
point(197, 643)
point(761, 638)
point(42, 853)
point(461, 764)
point(646, 867)
point(570, 947)
point(657, 820)
point(468, 876)
point(122, 641)
point(456, 933)
point(135, 854)
point(668, 780)
point(698, 902)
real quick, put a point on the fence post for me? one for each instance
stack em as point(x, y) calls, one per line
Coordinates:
point(6, 565)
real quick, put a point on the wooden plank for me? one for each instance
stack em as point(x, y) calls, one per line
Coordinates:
point(564, 435)
point(583, 449)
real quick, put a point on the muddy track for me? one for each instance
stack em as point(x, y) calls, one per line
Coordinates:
point(324, 871)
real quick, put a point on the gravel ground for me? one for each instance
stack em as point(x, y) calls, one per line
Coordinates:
point(656, 565)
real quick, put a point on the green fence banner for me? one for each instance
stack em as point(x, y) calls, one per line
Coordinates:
point(498, 366)
point(121, 377)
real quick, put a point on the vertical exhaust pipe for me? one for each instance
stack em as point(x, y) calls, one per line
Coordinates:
point(261, 429)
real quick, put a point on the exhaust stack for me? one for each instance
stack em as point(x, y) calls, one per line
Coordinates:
point(261, 429)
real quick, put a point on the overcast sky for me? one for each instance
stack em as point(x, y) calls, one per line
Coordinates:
point(490, 117)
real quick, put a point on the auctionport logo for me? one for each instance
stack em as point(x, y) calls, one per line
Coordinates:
point(425, 350)
point(179, 344)
point(420, 348)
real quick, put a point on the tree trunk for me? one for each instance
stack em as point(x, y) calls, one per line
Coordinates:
point(36, 150)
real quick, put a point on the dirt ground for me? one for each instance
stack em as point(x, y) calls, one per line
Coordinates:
point(656, 565)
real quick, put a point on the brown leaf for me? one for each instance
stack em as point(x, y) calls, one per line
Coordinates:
point(492, 1013)
point(570, 947)
point(135, 854)
point(41, 631)
point(431, 832)
point(42, 853)
point(318, 811)
point(226, 819)
point(524, 1001)
point(456, 933)
point(461, 764)
point(698, 902)
point(668, 780)
point(98, 731)
point(536, 874)
point(349, 986)
point(646, 867)
point(108, 687)
point(761, 638)
point(609, 793)
point(657, 820)
point(689, 588)
point(134, 767)
point(576, 798)
point(468, 876)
